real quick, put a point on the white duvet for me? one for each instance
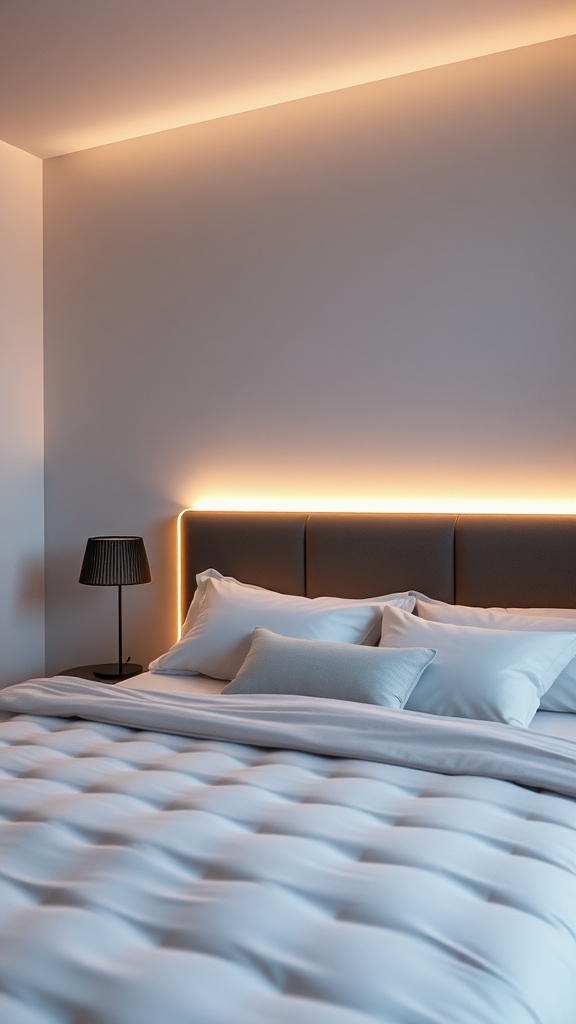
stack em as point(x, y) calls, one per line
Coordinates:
point(266, 860)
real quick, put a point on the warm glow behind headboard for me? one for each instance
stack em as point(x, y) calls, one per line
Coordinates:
point(447, 504)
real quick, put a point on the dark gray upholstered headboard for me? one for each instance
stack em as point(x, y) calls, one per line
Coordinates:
point(503, 560)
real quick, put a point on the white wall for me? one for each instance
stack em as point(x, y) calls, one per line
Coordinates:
point(364, 298)
point(21, 418)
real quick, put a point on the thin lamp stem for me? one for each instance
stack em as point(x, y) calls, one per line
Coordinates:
point(119, 630)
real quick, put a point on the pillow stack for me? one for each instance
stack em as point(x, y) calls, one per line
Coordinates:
point(494, 664)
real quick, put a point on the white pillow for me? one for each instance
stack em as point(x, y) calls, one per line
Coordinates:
point(562, 694)
point(370, 675)
point(224, 613)
point(405, 599)
point(491, 674)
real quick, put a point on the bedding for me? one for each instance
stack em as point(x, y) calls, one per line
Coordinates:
point(561, 696)
point(224, 612)
point(254, 858)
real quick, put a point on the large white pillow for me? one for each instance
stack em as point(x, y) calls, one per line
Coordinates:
point(405, 599)
point(491, 674)
point(562, 694)
point(370, 675)
point(224, 613)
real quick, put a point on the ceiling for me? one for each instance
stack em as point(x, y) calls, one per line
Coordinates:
point(81, 73)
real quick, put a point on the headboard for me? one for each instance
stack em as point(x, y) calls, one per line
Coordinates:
point(502, 560)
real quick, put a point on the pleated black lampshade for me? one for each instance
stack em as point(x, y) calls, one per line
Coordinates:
point(115, 562)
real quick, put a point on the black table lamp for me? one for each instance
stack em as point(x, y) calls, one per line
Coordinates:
point(115, 562)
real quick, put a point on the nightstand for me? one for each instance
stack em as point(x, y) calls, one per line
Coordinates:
point(87, 672)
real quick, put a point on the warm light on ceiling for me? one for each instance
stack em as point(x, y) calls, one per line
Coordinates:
point(391, 63)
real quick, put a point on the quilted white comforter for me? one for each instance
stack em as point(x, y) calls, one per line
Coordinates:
point(235, 860)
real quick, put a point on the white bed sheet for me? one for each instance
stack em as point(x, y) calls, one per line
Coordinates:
point(148, 875)
point(163, 682)
point(555, 723)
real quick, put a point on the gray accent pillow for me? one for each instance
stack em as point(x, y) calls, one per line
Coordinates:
point(320, 668)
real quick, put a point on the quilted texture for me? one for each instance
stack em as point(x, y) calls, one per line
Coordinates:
point(150, 877)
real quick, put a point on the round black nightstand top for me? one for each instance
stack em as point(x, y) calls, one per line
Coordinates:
point(87, 672)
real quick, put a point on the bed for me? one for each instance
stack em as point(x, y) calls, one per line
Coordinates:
point(320, 806)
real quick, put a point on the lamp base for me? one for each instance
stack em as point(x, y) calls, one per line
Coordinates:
point(111, 673)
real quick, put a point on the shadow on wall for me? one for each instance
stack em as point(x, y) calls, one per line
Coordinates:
point(30, 595)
